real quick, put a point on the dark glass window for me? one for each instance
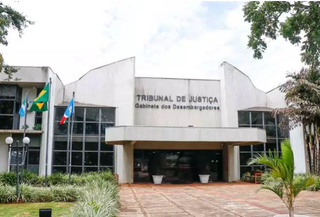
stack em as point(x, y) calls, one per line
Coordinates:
point(34, 157)
point(244, 157)
point(60, 145)
point(274, 135)
point(77, 128)
point(8, 91)
point(271, 145)
point(105, 147)
point(258, 147)
point(271, 131)
point(107, 115)
point(256, 118)
point(77, 158)
point(91, 169)
point(244, 117)
point(79, 114)
point(59, 113)
point(91, 146)
point(76, 145)
point(76, 170)
point(59, 169)
point(106, 159)
point(92, 128)
point(268, 119)
point(246, 148)
point(91, 158)
point(6, 107)
point(60, 158)
point(6, 122)
point(87, 138)
point(60, 129)
point(92, 114)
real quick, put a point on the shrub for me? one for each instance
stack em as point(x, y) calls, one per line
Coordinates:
point(31, 178)
point(7, 194)
point(58, 179)
point(35, 194)
point(100, 199)
point(8, 178)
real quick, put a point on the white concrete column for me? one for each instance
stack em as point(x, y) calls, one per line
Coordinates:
point(124, 163)
point(297, 144)
point(4, 154)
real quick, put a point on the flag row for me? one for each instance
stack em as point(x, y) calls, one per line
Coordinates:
point(40, 104)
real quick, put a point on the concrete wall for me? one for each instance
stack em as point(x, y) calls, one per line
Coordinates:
point(110, 85)
point(29, 74)
point(175, 90)
point(237, 93)
point(3, 153)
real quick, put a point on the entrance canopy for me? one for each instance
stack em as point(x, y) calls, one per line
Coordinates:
point(123, 135)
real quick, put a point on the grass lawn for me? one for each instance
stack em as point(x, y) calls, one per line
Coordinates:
point(32, 209)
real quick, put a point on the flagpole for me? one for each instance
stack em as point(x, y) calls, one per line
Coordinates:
point(24, 135)
point(72, 120)
point(68, 144)
point(48, 125)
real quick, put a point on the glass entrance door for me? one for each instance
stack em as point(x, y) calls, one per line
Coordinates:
point(177, 166)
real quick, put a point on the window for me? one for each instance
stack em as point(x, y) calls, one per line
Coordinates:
point(10, 101)
point(89, 151)
point(275, 134)
point(31, 157)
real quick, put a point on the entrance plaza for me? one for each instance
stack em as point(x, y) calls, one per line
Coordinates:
point(215, 199)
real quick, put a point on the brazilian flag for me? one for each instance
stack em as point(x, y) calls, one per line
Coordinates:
point(39, 104)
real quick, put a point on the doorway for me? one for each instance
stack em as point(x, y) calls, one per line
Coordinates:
point(177, 166)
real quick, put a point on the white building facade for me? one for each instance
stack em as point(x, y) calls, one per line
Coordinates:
point(139, 127)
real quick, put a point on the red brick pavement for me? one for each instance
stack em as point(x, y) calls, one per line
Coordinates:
point(216, 199)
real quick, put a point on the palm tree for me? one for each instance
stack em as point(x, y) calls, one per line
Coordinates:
point(284, 183)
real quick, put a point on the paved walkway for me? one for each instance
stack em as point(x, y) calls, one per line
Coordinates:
point(218, 199)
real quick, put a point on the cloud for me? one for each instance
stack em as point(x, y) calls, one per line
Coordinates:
point(169, 39)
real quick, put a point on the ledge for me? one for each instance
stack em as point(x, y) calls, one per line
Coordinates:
point(232, 136)
point(22, 131)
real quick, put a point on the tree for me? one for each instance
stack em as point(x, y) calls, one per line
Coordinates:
point(302, 95)
point(301, 27)
point(284, 183)
point(10, 18)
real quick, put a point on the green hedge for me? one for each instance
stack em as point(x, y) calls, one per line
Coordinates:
point(29, 178)
point(34, 194)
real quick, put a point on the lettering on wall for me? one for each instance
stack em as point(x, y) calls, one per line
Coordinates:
point(177, 102)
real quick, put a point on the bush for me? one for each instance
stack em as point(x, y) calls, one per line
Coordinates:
point(58, 179)
point(30, 178)
point(34, 194)
point(8, 178)
point(7, 194)
point(100, 199)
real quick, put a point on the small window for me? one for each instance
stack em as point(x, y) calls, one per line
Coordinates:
point(108, 115)
point(256, 118)
point(92, 114)
point(268, 119)
point(243, 118)
point(6, 107)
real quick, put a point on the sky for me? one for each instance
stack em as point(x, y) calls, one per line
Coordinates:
point(175, 39)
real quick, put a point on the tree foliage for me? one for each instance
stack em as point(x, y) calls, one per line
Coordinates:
point(302, 95)
point(10, 18)
point(301, 27)
point(285, 185)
